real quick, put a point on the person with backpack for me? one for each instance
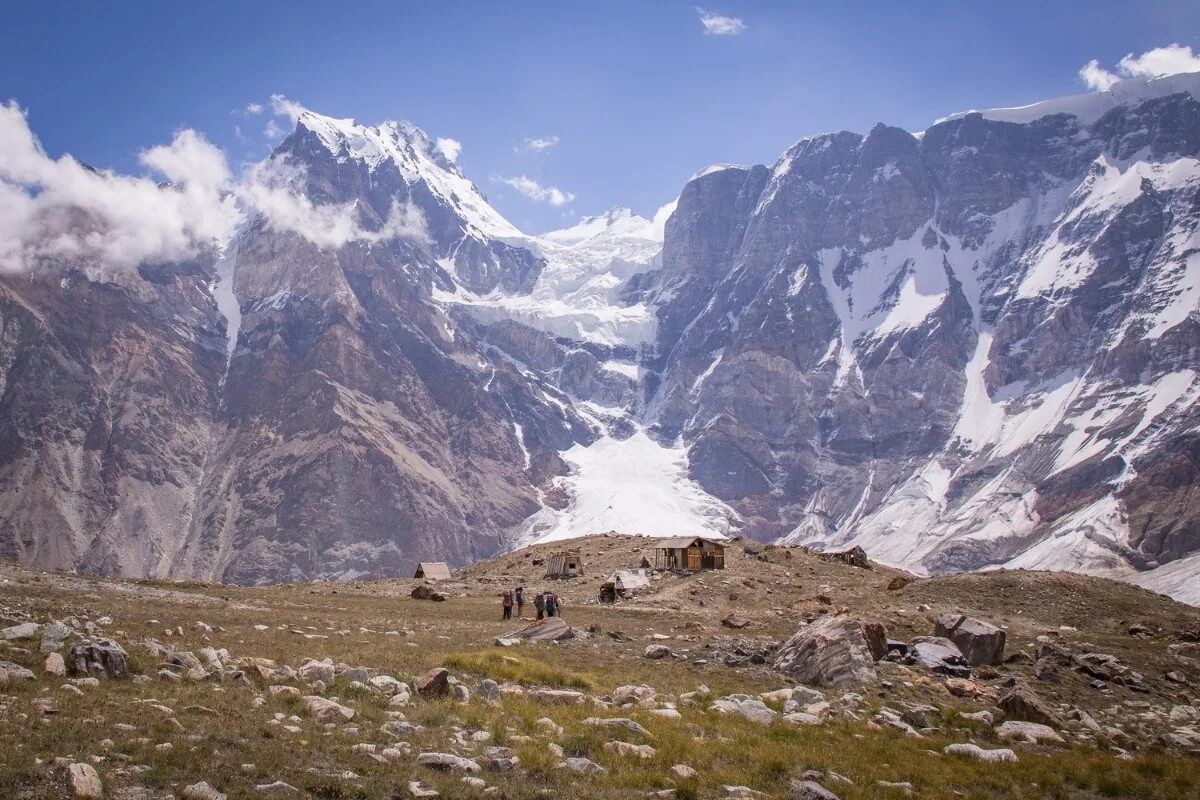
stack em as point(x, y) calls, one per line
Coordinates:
point(539, 603)
point(551, 604)
point(508, 603)
point(520, 598)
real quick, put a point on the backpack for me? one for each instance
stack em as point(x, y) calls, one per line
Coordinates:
point(507, 598)
point(520, 595)
point(539, 602)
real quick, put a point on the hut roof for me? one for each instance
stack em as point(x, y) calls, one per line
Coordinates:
point(433, 570)
point(629, 579)
point(681, 542)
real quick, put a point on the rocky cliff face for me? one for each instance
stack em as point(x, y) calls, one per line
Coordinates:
point(973, 347)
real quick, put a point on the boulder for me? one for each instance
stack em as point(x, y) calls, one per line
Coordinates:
point(618, 722)
point(434, 683)
point(327, 710)
point(93, 656)
point(53, 636)
point(85, 782)
point(445, 762)
point(551, 629)
point(980, 642)
point(26, 630)
point(809, 790)
point(643, 751)
point(584, 766)
point(558, 696)
point(832, 651)
point(749, 707)
point(202, 791)
point(1021, 703)
point(938, 655)
point(1032, 732)
point(55, 665)
point(978, 753)
point(427, 592)
point(657, 651)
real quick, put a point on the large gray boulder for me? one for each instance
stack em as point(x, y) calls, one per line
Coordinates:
point(94, 656)
point(980, 642)
point(832, 651)
point(551, 629)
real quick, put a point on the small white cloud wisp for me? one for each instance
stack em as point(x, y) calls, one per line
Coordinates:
point(535, 191)
point(538, 144)
point(55, 210)
point(1170, 60)
point(720, 25)
point(450, 148)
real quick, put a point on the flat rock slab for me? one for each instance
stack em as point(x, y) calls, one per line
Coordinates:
point(551, 629)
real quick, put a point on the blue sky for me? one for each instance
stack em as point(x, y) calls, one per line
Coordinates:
point(637, 94)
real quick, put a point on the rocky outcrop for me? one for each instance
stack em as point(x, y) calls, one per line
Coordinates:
point(832, 651)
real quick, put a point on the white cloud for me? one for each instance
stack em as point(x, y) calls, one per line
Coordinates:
point(272, 130)
point(720, 25)
point(535, 191)
point(282, 107)
point(450, 148)
point(1097, 77)
point(1169, 60)
point(254, 108)
point(56, 209)
point(273, 190)
point(539, 143)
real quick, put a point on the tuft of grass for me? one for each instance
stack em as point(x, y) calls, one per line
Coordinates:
point(501, 665)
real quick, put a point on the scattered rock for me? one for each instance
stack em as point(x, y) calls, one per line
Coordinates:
point(427, 592)
point(749, 707)
point(643, 751)
point(682, 772)
point(657, 651)
point(617, 722)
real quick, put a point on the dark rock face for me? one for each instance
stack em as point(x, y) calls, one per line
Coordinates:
point(950, 349)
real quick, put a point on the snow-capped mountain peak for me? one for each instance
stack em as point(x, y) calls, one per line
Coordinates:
point(418, 157)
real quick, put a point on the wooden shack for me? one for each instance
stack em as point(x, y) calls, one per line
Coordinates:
point(432, 571)
point(623, 583)
point(689, 553)
point(564, 565)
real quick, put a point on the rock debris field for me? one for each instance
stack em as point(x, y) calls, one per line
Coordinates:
point(785, 675)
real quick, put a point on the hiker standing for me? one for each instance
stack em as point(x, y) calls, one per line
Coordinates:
point(557, 605)
point(508, 603)
point(520, 602)
point(539, 603)
point(551, 604)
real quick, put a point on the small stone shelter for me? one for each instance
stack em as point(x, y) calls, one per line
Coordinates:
point(564, 565)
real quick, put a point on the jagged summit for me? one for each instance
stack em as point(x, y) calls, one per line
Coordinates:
point(417, 156)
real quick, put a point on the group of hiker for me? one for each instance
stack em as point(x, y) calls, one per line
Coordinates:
point(547, 604)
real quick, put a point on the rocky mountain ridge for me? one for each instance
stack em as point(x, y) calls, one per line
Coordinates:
point(969, 347)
